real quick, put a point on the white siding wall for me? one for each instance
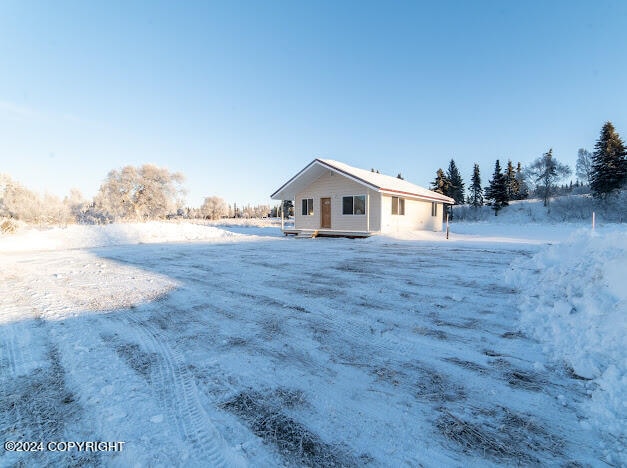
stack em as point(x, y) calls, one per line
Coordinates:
point(417, 216)
point(378, 216)
point(335, 186)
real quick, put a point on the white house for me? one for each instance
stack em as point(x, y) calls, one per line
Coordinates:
point(333, 198)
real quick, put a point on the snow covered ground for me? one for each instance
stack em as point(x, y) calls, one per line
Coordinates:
point(574, 301)
point(231, 345)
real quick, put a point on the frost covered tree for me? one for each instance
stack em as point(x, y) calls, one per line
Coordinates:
point(496, 192)
point(609, 163)
point(256, 211)
point(545, 172)
point(214, 208)
point(456, 183)
point(140, 193)
point(583, 168)
point(441, 184)
point(18, 202)
point(79, 207)
point(475, 192)
point(115, 199)
point(53, 210)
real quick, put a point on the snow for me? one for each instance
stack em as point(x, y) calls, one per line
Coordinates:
point(90, 236)
point(226, 344)
point(484, 232)
point(574, 300)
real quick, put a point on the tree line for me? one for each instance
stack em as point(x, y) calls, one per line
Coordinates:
point(604, 171)
point(131, 193)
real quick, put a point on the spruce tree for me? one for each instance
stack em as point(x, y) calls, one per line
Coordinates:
point(287, 208)
point(496, 192)
point(511, 183)
point(523, 189)
point(456, 191)
point(441, 184)
point(475, 197)
point(609, 163)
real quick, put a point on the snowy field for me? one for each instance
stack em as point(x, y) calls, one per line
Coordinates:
point(231, 345)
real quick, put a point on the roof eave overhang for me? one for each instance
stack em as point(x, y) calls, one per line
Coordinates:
point(420, 196)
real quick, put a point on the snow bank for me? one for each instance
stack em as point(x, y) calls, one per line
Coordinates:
point(569, 208)
point(574, 300)
point(88, 236)
point(245, 222)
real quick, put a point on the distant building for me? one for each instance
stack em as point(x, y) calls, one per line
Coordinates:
point(333, 198)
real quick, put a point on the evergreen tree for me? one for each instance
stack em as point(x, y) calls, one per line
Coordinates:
point(511, 183)
point(609, 163)
point(475, 196)
point(496, 192)
point(399, 176)
point(441, 184)
point(456, 190)
point(546, 171)
point(288, 208)
point(523, 189)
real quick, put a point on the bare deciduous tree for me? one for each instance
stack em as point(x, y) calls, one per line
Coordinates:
point(584, 166)
point(545, 172)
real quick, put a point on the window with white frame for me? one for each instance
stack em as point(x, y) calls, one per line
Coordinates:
point(434, 209)
point(354, 205)
point(307, 207)
point(398, 206)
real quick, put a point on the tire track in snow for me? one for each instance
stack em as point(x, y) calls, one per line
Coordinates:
point(8, 350)
point(176, 390)
point(19, 319)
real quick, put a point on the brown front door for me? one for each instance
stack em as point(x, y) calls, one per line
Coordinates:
point(325, 213)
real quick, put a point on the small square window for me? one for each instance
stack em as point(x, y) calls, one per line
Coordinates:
point(398, 206)
point(434, 209)
point(307, 207)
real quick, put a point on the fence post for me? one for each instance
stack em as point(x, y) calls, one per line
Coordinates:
point(593, 220)
point(447, 225)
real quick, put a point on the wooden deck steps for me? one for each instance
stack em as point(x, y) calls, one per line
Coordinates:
point(313, 233)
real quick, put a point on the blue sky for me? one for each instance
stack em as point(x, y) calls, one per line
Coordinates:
point(241, 95)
